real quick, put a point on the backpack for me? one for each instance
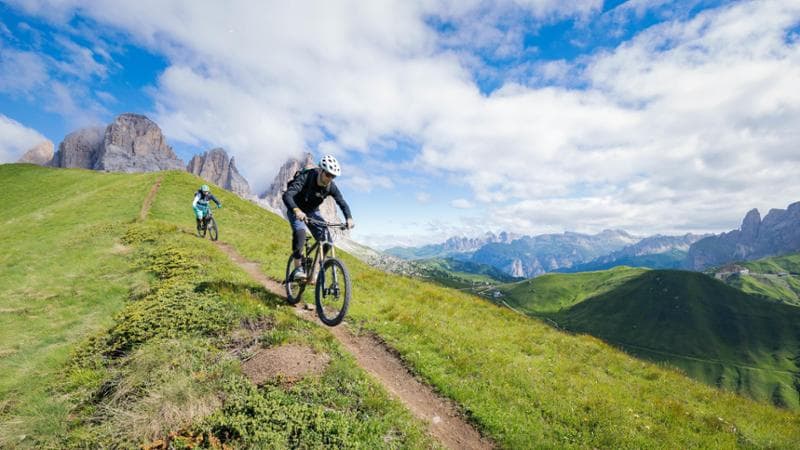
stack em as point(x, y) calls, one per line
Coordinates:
point(297, 174)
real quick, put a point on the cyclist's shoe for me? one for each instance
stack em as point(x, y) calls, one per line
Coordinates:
point(300, 274)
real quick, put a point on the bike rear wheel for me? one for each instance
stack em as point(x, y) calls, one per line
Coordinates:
point(294, 289)
point(213, 233)
point(333, 292)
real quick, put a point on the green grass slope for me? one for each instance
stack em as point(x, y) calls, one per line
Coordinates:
point(715, 333)
point(119, 334)
point(553, 292)
point(777, 278)
point(524, 384)
point(63, 276)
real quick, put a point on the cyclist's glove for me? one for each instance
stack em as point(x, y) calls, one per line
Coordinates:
point(219, 206)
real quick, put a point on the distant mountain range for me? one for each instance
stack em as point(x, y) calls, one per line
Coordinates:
point(658, 252)
point(525, 256)
point(529, 256)
point(458, 245)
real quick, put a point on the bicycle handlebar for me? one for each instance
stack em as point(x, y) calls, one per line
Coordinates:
point(326, 224)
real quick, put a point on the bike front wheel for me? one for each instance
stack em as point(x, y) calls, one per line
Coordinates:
point(333, 292)
point(201, 229)
point(294, 288)
point(213, 232)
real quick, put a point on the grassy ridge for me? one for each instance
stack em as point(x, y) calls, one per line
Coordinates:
point(171, 364)
point(553, 292)
point(525, 384)
point(156, 322)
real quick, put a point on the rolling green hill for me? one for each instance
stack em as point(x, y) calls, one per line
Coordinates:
point(777, 278)
point(715, 333)
point(552, 292)
point(460, 274)
point(170, 309)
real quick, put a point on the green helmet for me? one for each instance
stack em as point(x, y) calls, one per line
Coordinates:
point(204, 188)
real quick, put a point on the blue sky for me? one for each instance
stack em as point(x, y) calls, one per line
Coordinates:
point(449, 117)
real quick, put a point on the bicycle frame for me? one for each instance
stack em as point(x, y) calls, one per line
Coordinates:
point(317, 249)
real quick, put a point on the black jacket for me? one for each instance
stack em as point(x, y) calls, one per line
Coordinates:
point(305, 193)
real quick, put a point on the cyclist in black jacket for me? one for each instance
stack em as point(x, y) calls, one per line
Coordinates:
point(302, 199)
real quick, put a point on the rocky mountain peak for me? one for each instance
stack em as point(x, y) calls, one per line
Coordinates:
point(273, 194)
point(80, 148)
point(750, 225)
point(216, 167)
point(41, 154)
point(134, 143)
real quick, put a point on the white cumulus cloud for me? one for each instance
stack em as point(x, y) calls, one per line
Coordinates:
point(16, 139)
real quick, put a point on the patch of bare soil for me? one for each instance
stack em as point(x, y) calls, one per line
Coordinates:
point(444, 421)
point(287, 363)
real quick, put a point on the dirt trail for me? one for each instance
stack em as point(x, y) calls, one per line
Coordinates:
point(151, 196)
point(443, 419)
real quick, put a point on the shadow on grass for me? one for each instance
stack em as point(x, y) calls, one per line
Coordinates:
point(226, 287)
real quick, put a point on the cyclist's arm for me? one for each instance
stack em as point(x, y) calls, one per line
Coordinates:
point(196, 198)
point(214, 199)
point(295, 186)
point(337, 195)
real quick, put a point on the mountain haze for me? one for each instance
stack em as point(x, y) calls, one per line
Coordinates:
point(654, 252)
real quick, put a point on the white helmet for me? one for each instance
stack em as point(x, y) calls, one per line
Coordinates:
point(331, 165)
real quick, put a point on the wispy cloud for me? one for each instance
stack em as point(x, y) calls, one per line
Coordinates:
point(461, 203)
point(15, 139)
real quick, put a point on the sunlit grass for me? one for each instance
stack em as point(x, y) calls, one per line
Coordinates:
point(524, 383)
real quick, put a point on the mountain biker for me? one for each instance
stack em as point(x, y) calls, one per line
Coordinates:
point(302, 199)
point(200, 203)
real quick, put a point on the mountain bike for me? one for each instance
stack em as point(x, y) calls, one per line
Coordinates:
point(333, 287)
point(208, 224)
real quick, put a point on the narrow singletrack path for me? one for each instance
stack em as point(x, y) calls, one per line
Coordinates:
point(444, 422)
point(151, 196)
